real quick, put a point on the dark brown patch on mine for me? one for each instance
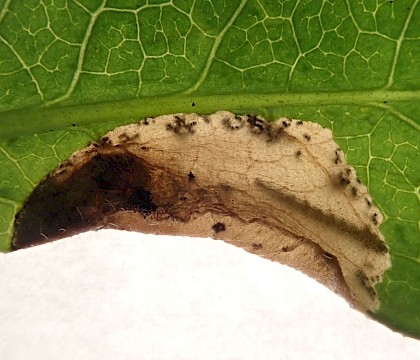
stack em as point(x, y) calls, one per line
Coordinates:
point(104, 185)
point(298, 154)
point(307, 137)
point(218, 227)
point(256, 246)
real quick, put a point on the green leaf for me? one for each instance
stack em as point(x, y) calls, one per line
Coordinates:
point(71, 70)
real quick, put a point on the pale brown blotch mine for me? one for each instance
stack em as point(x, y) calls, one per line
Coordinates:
point(281, 190)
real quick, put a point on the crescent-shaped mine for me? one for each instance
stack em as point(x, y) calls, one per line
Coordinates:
point(280, 189)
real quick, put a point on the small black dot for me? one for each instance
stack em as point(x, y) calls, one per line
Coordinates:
point(218, 227)
point(307, 137)
point(193, 103)
point(73, 124)
point(191, 177)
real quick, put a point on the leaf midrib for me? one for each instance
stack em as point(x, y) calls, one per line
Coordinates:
point(42, 119)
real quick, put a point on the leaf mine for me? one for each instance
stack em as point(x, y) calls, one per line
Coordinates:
point(281, 190)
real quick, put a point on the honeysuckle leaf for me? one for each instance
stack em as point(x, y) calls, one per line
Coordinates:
point(71, 70)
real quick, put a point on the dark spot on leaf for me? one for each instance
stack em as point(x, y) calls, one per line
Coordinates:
point(338, 159)
point(226, 187)
point(235, 123)
point(181, 126)
point(105, 141)
point(218, 227)
point(256, 123)
point(364, 281)
point(343, 181)
point(191, 176)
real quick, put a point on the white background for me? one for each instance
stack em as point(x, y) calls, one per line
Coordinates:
point(120, 295)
